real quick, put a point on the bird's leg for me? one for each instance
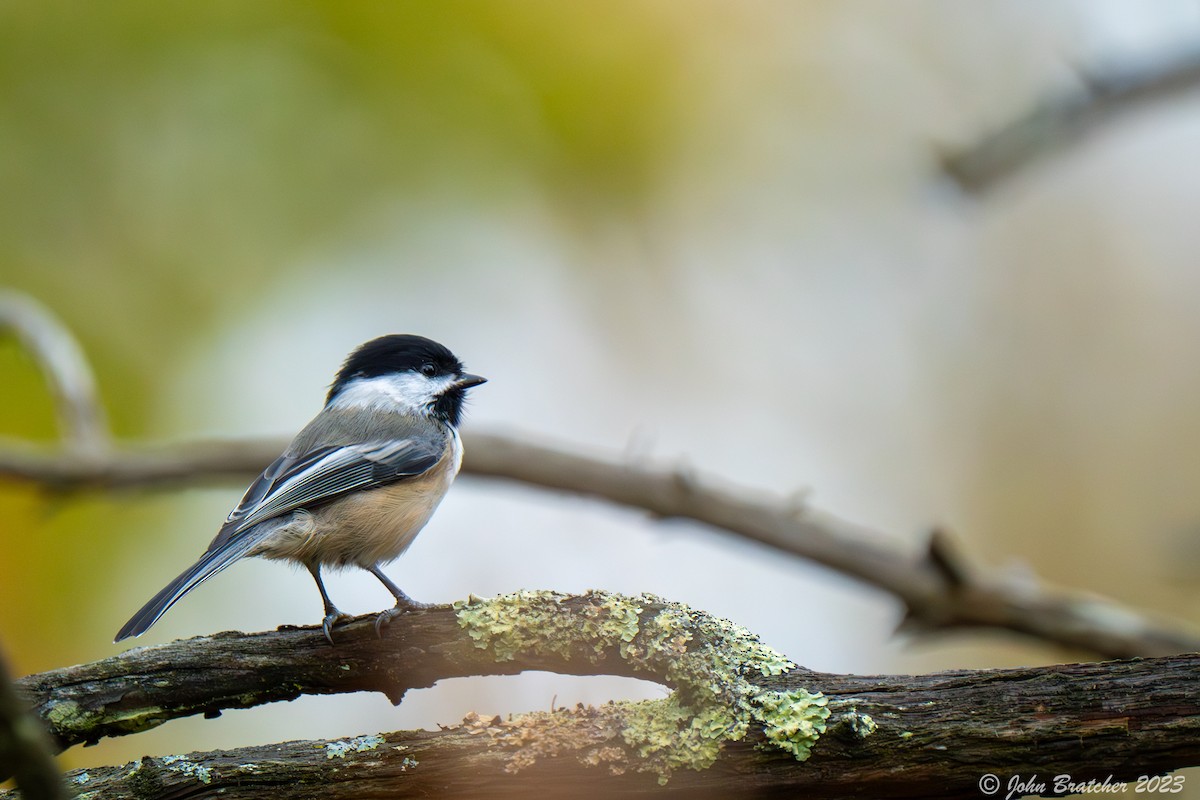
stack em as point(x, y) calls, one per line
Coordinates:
point(403, 601)
point(332, 615)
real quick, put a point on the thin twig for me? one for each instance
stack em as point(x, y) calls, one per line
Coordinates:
point(1065, 118)
point(66, 370)
point(944, 556)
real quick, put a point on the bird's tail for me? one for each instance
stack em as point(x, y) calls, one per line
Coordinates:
point(209, 564)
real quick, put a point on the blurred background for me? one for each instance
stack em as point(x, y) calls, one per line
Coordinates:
point(702, 231)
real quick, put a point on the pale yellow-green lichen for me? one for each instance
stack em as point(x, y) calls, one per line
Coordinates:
point(793, 720)
point(535, 622)
point(668, 736)
point(858, 725)
point(621, 623)
point(712, 663)
point(68, 716)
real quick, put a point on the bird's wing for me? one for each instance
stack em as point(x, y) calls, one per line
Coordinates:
point(291, 482)
point(316, 477)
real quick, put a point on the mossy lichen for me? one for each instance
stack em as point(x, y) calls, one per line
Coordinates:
point(188, 767)
point(359, 744)
point(69, 717)
point(793, 720)
point(535, 622)
point(851, 725)
point(712, 664)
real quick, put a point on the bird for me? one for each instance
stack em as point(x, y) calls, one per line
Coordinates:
point(356, 485)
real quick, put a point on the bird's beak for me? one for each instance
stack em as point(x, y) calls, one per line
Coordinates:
point(467, 380)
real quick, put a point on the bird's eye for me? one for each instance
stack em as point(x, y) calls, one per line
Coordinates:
point(428, 370)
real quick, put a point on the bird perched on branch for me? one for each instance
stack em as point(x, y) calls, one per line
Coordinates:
point(357, 484)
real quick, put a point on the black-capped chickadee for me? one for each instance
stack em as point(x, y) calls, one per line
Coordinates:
point(357, 484)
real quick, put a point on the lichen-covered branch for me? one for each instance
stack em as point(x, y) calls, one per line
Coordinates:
point(147, 686)
point(1066, 117)
point(715, 668)
point(742, 718)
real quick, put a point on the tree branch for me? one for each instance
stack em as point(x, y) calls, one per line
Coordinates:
point(920, 582)
point(145, 687)
point(146, 467)
point(1064, 119)
point(741, 717)
point(933, 598)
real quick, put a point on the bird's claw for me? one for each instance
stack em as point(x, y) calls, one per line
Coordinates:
point(331, 619)
point(386, 617)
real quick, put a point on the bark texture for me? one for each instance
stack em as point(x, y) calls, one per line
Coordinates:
point(899, 736)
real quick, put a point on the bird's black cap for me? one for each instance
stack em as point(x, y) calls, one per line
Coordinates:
point(403, 352)
point(398, 352)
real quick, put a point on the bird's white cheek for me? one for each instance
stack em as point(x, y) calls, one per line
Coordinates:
point(408, 391)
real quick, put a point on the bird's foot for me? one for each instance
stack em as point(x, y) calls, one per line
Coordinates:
point(402, 607)
point(332, 617)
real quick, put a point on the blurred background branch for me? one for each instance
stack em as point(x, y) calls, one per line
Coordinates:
point(65, 368)
point(938, 590)
point(1062, 119)
point(934, 601)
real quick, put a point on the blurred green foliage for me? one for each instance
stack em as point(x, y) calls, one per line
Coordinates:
point(155, 154)
point(163, 163)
